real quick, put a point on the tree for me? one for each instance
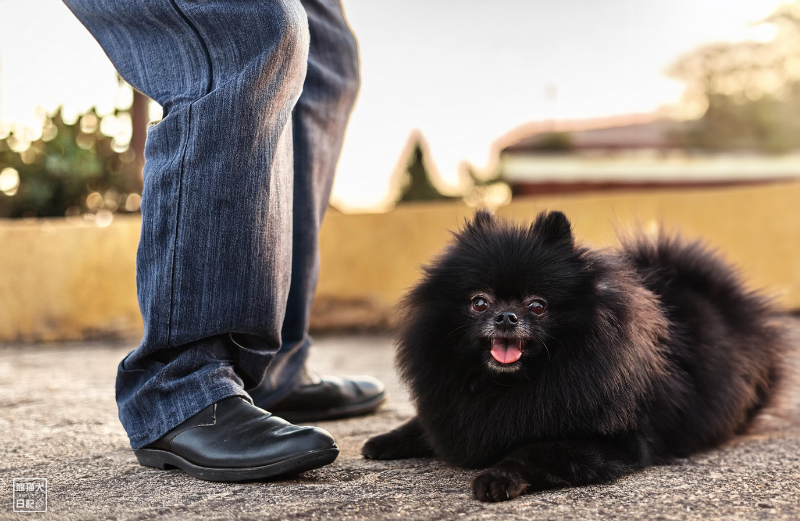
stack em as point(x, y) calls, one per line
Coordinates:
point(749, 91)
point(417, 184)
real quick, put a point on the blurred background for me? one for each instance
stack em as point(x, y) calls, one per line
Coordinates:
point(622, 112)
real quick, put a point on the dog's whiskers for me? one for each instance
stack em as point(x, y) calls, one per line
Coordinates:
point(545, 344)
point(546, 349)
point(467, 376)
point(451, 333)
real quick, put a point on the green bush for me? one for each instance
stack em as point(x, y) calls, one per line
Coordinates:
point(72, 169)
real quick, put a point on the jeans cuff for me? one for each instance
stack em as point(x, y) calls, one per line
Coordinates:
point(162, 404)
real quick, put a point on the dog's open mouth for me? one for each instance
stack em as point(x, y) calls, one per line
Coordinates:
point(506, 350)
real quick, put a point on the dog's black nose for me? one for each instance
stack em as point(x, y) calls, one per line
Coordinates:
point(506, 318)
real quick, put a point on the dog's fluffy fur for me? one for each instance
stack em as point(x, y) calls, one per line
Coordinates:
point(643, 353)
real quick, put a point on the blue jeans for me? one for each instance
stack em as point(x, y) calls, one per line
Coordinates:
point(237, 176)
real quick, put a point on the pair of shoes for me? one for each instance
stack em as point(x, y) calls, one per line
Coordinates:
point(233, 440)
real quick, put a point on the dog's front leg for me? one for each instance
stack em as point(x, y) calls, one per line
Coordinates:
point(540, 466)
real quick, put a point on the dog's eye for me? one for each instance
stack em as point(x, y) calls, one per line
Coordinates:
point(479, 304)
point(537, 307)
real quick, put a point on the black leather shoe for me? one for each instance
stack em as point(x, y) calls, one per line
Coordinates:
point(232, 440)
point(330, 397)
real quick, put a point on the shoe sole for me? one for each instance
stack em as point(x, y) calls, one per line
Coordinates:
point(336, 413)
point(165, 460)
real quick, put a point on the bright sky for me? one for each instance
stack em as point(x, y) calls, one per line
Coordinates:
point(463, 72)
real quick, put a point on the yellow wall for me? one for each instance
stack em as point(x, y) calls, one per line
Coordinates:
point(66, 280)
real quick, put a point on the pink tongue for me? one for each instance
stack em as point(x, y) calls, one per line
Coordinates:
point(506, 350)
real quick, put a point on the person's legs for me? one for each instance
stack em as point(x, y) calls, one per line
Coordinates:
point(215, 254)
point(319, 120)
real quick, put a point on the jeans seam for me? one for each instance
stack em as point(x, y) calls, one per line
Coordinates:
point(177, 222)
point(202, 41)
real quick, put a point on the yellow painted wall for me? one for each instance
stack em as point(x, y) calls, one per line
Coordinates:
point(67, 280)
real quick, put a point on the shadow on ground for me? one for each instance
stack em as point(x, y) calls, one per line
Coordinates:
point(58, 421)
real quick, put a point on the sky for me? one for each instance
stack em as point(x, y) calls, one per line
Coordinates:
point(462, 72)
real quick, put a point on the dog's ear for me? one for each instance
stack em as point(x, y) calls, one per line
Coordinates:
point(553, 228)
point(483, 219)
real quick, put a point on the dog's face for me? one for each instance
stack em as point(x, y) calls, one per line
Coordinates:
point(502, 297)
point(507, 328)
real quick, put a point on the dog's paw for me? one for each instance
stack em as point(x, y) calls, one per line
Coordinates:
point(498, 485)
point(384, 446)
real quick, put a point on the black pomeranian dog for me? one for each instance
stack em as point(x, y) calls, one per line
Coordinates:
point(555, 365)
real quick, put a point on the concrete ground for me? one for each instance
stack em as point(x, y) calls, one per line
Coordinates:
point(58, 421)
